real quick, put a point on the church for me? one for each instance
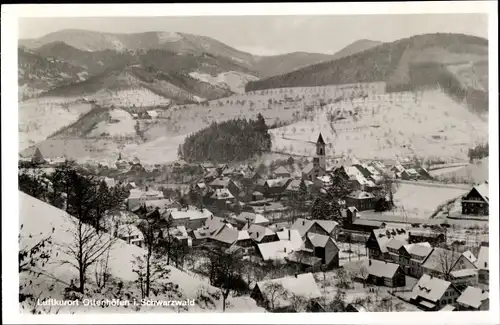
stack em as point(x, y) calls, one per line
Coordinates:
point(318, 167)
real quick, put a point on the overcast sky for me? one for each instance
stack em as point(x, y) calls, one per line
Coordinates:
point(275, 34)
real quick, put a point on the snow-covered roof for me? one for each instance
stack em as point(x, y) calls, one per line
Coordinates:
point(292, 236)
point(470, 257)
point(361, 195)
point(483, 190)
point(431, 288)
point(294, 185)
point(152, 113)
point(282, 170)
point(275, 250)
point(419, 249)
point(440, 259)
point(473, 297)
point(382, 268)
point(279, 182)
point(258, 232)
point(483, 258)
point(222, 194)
point(191, 213)
point(385, 235)
point(302, 285)
point(252, 217)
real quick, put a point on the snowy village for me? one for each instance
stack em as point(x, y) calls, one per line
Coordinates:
point(170, 172)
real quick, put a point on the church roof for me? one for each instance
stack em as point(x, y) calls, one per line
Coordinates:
point(320, 139)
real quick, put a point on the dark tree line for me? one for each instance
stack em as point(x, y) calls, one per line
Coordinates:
point(478, 152)
point(328, 206)
point(233, 140)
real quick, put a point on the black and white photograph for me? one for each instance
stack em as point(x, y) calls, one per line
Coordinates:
point(254, 163)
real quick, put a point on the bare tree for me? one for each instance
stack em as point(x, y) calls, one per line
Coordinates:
point(363, 274)
point(274, 292)
point(225, 272)
point(298, 303)
point(447, 259)
point(87, 247)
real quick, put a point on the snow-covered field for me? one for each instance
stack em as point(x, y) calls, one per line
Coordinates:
point(139, 97)
point(386, 126)
point(120, 123)
point(420, 201)
point(233, 80)
point(39, 118)
point(158, 151)
point(39, 219)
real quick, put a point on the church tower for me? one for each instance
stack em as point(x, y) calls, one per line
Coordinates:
point(320, 159)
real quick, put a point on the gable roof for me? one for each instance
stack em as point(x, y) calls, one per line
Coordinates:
point(419, 249)
point(280, 182)
point(190, 213)
point(385, 235)
point(281, 170)
point(472, 297)
point(317, 240)
point(222, 194)
point(381, 268)
point(483, 258)
point(328, 225)
point(294, 185)
point(483, 190)
point(258, 232)
point(307, 169)
point(395, 244)
point(441, 260)
point(302, 285)
point(430, 288)
point(291, 235)
point(302, 225)
point(229, 235)
point(275, 250)
point(470, 257)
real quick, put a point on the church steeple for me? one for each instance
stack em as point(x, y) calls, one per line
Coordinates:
point(320, 159)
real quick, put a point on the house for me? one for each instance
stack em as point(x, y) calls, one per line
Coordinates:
point(441, 262)
point(382, 273)
point(131, 234)
point(379, 238)
point(270, 293)
point(464, 277)
point(393, 247)
point(211, 226)
point(410, 174)
point(225, 183)
point(138, 197)
point(152, 114)
point(472, 299)
point(257, 196)
point(361, 200)
point(161, 204)
point(432, 294)
point(228, 236)
point(417, 235)
point(179, 233)
point(191, 217)
point(364, 225)
point(261, 234)
point(293, 189)
point(211, 175)
point(411, 257)
point(275, 251)
point(249, 218)
point(135, 116)
point(323, 182)
point(222, 198)
point(276, 187)
point(281, 172)
point(323, 247)
point(304, 226)
point(476, 202)
point(482, 265)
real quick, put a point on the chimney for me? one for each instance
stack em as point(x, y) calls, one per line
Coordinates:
point(303, 222)
point(369, 262)
point(289, 234)
point(296, 275)
point(284, 249)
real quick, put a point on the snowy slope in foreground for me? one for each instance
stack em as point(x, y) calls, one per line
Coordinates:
point(39, 218)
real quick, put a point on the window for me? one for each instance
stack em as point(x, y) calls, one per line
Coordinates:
point(446, 294)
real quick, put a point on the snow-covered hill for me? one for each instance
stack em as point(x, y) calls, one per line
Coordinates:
point(39, 219)
point(232, 80)
point(39, 118)
point(386, 126)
